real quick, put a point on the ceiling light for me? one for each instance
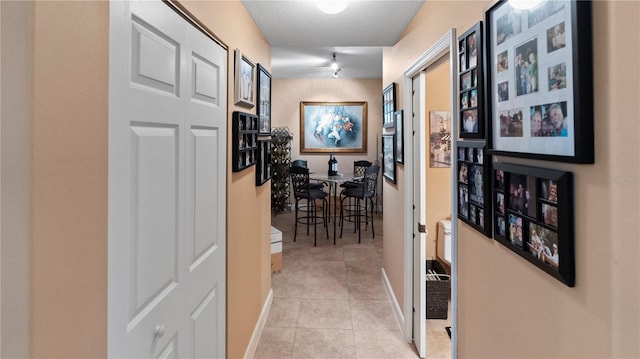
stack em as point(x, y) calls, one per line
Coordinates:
point(331, 7)
point(524, 4)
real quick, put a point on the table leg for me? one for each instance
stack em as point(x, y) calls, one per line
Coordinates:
point(335, 200)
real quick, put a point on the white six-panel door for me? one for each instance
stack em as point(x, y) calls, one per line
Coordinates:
point(167, 163)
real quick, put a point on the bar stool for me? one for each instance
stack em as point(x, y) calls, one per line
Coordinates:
point(366, 193)
point(303, 191)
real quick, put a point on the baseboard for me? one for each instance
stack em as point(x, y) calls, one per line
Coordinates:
point(257, 331)
point(392, 297)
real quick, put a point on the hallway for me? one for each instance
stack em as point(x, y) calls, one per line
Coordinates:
point(329, 301)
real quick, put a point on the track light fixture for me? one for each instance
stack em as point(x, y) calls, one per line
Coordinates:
point(335, 68)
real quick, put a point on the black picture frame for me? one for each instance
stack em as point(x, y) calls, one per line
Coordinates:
point(244, 140)
point(388, 157)
point(533, 212)
point(263, 161)
point(264, 101)
point(539, 81)
point(471, 83)
point(474, 198)
point(399, 142)
point(388, 105)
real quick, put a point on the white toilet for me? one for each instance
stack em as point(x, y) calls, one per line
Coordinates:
point(443, 244)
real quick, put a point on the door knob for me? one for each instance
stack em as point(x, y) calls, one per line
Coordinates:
point(159, 331)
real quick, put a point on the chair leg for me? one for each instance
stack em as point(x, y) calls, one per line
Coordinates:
point(308, 214)
point(325, 218)
point(373, 234)
point(342, 215)
point(295, 232)
point(315, 224)
point(358, 218)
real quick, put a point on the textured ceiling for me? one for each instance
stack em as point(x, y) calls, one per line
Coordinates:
point(303, 38)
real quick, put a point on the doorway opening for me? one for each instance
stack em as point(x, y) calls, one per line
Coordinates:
point(429, 196)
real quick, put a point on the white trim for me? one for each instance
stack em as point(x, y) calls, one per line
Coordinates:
point(257, 331)
point(394, 301)
point(455, 120)
point(446, 44)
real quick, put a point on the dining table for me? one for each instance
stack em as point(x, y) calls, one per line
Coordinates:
point(333, 182)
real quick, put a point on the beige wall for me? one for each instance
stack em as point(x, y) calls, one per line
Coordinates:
point(438, 180)
point(69, 177)
point(16, 77)
point(288, 93)
point(502, 298)
point(70, 119)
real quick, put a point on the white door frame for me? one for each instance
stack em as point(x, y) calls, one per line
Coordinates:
point(445, 45)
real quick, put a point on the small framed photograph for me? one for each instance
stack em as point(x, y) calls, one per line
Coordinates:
point(464, 100)
point(549, 215)
point(399, 136)
point(549, 190)
point(500, 202)
point(472, 49)
point(388, 105)
point(515, 230)
point(522, 194)
point(245, 73)
point(472, 213)
point(499, 184)
point(500, 226)
point(463, 173)
point(540, 76)
point(474, 186)
point(538, 215)
point(555, 38)
point(463, 201)
point(465, 81)
point(388, 157)
point(502, 61)
point(264, 101)
point(462, 46)
point(472, 123)
point(469, 122)
point(543, 246)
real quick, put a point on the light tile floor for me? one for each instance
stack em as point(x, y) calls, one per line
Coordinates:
point(329, 301)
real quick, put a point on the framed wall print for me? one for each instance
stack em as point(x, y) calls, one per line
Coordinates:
point(244, 140)
point(388, 105)
point(388, 158)
point(440, 139)
point(474, 186)
point(263, 161)
point(472, 119)
point(333, 127)
point(244, 78)
point(399, 137)
point(540, 82)
point(264, 101)
point(533, 211)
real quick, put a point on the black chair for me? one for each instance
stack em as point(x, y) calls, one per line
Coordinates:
point(359, 167)
point(365, 193)
point(303, 191)
point(303, 163)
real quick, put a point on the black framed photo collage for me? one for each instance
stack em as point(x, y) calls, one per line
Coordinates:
point(525, 84)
